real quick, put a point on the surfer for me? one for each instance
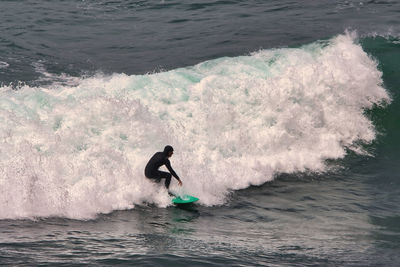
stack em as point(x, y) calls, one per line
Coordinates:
point(157, 160)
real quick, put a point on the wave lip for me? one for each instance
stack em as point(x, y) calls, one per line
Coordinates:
point(78, 150)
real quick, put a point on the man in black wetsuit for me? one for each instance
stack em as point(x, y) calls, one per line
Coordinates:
point(159, 159)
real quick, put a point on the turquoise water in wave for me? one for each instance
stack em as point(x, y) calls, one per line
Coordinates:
point(283, 116)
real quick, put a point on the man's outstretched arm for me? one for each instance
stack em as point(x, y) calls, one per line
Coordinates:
point(168, 164)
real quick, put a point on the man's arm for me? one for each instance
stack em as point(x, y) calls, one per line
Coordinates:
point(168, 164)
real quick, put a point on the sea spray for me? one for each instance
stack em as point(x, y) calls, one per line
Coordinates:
point(79, 149)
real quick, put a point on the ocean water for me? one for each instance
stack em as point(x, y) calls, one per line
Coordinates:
point(284, 116)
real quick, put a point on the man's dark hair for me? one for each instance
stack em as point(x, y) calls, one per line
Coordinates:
point(168, 149)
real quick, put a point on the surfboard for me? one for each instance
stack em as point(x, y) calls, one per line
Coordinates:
point(185, 199)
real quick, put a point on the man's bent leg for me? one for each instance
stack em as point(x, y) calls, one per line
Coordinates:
point(155, 177)
point(167, 177)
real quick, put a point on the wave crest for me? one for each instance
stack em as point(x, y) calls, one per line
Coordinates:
point(79, 150)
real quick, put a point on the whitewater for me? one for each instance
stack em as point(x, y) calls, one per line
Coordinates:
point(76, 147)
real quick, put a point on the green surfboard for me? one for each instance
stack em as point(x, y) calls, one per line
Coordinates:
point(185, 199)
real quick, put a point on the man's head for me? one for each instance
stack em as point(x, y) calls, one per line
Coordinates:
point(168, 150)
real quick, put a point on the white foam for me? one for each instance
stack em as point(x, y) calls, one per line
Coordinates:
point(79, 150)
point(4, 65)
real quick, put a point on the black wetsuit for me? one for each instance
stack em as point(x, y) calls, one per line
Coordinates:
point(157, 160)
